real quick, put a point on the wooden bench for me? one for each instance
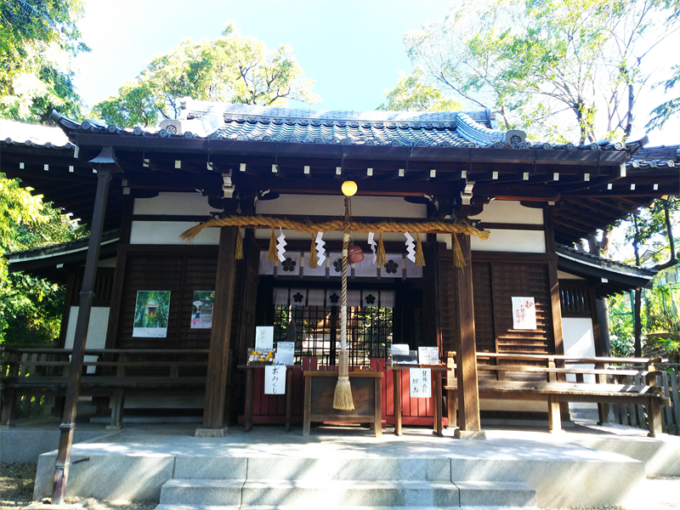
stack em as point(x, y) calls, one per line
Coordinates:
point(543, 378)
point(116, 373)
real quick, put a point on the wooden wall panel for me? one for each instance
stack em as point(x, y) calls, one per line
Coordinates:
point(449, 332)
point(577, 299)
point(103, 287)
point(181, 274)
point(484, 307)
point(522, 279)
point(495, 280)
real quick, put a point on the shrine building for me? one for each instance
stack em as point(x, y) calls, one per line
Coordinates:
point(467, 222)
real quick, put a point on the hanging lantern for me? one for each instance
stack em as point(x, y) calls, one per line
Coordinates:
point(355, 254)
point(349, 188)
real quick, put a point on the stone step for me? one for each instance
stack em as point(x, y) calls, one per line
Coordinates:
point(345, 494)
point(288, 507)
point(311, 468)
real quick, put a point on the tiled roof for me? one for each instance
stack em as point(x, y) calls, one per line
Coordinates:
point(614, 277)
point(271, 124)
point(653, 157)
point(35, 135)
point(239, 122)
point(612, 265)
point(55, 250)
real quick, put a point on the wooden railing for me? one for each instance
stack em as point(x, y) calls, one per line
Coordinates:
point(668, 378)
point(632, 385)
point(32, 380)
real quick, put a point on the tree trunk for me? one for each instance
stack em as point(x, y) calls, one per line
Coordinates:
point(638, 323)
point(604, 245)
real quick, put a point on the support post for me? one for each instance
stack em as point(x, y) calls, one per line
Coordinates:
point(468, 390)
point(218, 357)
point(106, 167)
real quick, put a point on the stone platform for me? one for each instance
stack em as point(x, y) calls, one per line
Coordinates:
point(270, 468)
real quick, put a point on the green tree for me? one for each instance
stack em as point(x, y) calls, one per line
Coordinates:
point(557, 67)
point(232, 68)
point(38, 41)
point(667, 109)
point(30, 308)
point(412, 95)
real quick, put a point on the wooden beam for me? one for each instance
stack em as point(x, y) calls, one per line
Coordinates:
point(505, 192)
point(220, 336)
point(468, 391)
point(332, 186)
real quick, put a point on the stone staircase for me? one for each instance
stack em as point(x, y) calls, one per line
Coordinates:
point(335, 483)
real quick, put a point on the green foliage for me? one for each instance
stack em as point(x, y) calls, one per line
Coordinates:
point(30, 308)
point(231, 68)
point(621, 328)
point(38, 41)
point(667, 109)
point(555, 67)
point(660, 319)
point(410, 94)
point(651, 231)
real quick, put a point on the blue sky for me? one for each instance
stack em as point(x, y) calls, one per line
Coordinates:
point(352, 49)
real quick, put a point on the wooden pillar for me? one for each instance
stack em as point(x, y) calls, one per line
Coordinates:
point(218, 357)
point(468, 391)
point(106, 166)
point(555, 302)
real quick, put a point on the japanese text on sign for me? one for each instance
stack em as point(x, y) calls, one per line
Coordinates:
point(264, 338)
point(274, 380)
point(523, 313)
point(420, 382)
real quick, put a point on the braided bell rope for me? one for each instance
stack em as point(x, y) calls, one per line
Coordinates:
point(344, 359)
point(259, 221)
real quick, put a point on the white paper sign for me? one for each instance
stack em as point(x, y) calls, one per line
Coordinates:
point(264, 338)
point(428, 355)
point(274, 380)
point(400, 349)
point(285, 353)
point(523, 313)
point(421, 382)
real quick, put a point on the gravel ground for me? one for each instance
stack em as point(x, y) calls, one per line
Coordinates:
point(16, 491)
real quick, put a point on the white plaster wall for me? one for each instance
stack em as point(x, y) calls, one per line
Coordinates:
point(168, 232)
point(186, 204)
point(502, 211)
point(96, 330)
point(332, 205)
point(579, 341)
point(561, 275)
point(517, 241)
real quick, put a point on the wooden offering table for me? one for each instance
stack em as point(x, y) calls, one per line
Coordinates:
point(320, 390)
point(437, 371)
point(250, 390)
